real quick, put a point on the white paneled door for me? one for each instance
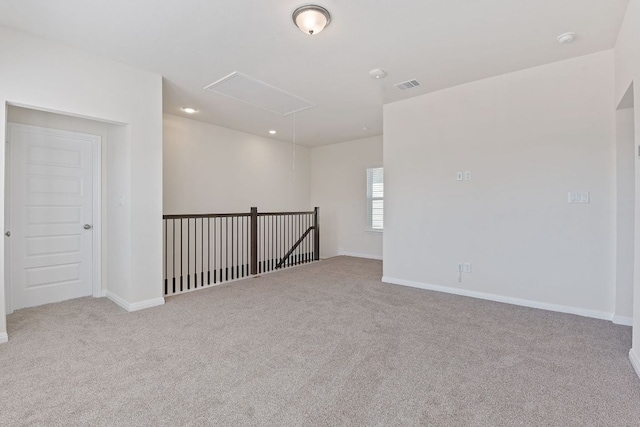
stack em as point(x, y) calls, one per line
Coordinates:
point(51, 214)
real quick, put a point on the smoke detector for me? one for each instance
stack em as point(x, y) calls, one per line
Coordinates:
point(377, 73)
point(566, 37)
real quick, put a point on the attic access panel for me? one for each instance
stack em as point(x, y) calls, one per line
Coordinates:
point(259, 94)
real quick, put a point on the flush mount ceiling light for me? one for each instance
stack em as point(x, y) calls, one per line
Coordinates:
point(272, 132)
point(566, 37)
point(311, 19)
point(189, 110)
point(377, 73)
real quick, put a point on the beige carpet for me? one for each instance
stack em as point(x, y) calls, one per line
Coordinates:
point(325, 344)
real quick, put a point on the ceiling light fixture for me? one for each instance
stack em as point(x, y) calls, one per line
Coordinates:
point(377, 73)
point(272, 132)
point(566, 37)
point(311, 19)
point(189, 110)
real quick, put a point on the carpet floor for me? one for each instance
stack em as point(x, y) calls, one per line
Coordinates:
point(326, 344)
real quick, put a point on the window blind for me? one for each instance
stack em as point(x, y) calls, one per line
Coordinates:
point(375, 198)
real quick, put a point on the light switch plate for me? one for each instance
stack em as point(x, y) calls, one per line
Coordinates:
point(578, 197)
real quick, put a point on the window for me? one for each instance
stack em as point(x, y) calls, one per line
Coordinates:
point(375, 199)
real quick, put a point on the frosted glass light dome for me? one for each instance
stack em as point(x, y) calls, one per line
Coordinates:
point(311, 19)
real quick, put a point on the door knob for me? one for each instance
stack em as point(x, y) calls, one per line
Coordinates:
point(87, 227)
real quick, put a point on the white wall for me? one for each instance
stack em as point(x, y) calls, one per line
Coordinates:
point(211, 169)
point(48, 76)
point(627, 55)
point(528, 138)
point(627, 60)
point(120, 219)
point(339, 187)
point(625, 208)
point(29, 116)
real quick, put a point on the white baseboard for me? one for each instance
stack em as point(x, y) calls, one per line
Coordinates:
point(360, 255)
point(136, 305)
point(120, 301)
point(4, 337)
point(146, 304)
point(635, 361)
point(499, 298)
point(623, 320)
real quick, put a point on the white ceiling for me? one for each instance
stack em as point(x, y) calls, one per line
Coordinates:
point(442, 43)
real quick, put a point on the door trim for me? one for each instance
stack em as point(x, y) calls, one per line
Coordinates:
point(96, 266)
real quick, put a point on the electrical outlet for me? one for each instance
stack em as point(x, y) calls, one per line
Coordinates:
point(467, 175)
point(460, 267)
point(467, 267)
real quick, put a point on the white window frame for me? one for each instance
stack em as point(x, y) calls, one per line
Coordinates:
point(371, 199)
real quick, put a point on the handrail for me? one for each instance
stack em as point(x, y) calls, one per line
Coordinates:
point(228, 215)
point(209, 215)
point(212, 248)
point(285, 213)
point(295, 246)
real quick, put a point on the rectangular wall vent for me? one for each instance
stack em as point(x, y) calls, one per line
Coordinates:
point(259, 94)
point(409, 84)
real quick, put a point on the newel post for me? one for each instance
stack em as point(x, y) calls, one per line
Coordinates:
point(316, 234)
point(254, 241)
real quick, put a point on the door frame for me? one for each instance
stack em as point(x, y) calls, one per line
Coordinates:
point(96, 267)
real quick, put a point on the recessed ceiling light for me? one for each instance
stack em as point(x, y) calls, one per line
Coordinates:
point(377, 73)
point(365, 127)
point(272, 132)
point(566, 37)
point(189, 110)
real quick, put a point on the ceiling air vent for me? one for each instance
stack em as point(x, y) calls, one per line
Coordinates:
point(247, 89)
point(409, 84)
